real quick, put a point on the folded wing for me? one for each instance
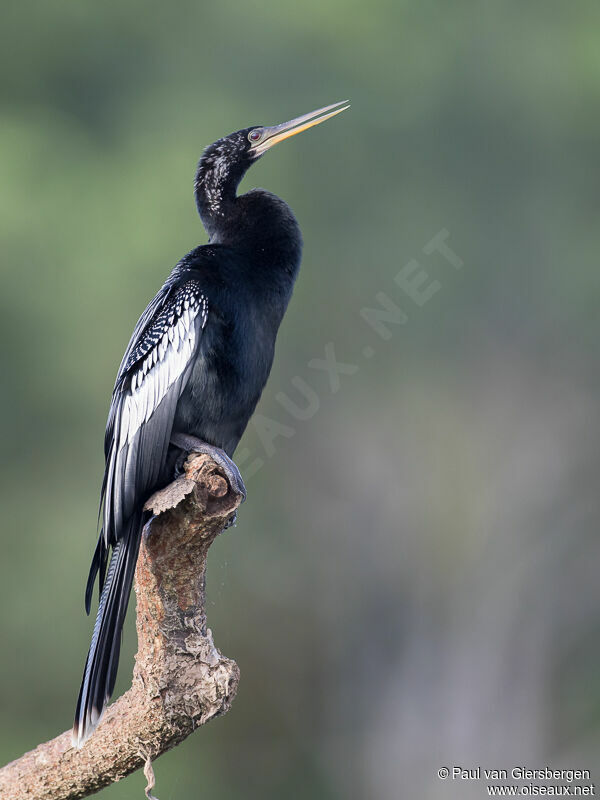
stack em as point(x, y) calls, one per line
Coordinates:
point(152, 376)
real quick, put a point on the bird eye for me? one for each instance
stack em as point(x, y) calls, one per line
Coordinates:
point(255, 135)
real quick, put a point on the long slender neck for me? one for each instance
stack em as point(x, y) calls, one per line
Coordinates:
point(257, 223)
point(217, 179)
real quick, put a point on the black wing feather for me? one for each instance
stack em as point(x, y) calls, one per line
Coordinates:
point(152, 376)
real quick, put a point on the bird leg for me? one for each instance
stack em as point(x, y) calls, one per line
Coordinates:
point(190, 444)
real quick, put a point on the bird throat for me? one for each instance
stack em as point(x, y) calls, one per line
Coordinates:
point(217, 179)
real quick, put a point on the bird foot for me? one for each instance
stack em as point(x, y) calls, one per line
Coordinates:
point(190, 444)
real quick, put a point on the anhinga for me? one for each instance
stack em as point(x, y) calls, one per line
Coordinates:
point(192, 373)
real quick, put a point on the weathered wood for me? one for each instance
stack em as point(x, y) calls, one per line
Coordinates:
point(180, 679)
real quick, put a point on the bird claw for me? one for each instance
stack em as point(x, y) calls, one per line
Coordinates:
point(232, 522)
point(230, 469)
point(190, 444)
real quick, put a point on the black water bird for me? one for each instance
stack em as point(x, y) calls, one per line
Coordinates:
point(192, 373)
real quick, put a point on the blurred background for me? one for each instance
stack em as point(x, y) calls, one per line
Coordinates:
point(413, 582)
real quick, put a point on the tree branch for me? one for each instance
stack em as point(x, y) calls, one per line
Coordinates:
point(180, 679)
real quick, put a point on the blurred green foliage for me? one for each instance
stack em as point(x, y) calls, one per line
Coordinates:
point(413, 580)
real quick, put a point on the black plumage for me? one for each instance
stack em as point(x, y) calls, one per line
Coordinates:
point(192, 373)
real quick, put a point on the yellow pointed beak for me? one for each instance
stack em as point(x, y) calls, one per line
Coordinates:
point(277, 133)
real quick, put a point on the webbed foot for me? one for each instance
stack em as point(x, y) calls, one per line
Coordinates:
point(190, 444)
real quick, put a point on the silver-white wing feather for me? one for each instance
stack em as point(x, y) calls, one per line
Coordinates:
point(151, 381)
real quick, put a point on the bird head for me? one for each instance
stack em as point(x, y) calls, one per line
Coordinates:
point(224, 162)
point(260, 138)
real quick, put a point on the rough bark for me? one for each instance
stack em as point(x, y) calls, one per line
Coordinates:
point(180, 679)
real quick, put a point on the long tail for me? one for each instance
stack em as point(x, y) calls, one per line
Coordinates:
point(103, 657)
